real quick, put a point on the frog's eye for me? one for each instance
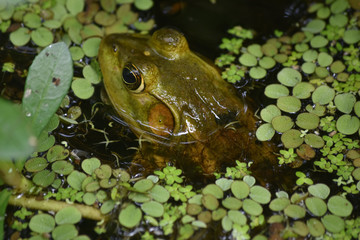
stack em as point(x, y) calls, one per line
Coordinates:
point(132, 78)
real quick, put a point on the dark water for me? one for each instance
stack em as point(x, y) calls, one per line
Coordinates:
point(204, 24)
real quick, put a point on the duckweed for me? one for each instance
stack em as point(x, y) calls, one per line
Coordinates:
point(235, 199)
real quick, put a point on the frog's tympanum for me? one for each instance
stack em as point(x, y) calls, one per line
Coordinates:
point(176, 102)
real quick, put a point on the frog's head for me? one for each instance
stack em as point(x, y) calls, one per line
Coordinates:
point(161, 88)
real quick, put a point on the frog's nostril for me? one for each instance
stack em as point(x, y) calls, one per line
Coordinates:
point(114, 47)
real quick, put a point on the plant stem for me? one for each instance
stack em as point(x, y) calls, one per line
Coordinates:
point(53, 205)
point(10, 175)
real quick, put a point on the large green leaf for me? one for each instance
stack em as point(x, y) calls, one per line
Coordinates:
point(4, 198)
point(16, 140)
point(48, 81)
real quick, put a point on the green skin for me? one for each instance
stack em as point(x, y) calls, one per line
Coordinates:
point(183, 108)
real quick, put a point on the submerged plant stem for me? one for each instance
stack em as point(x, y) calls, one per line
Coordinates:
point(53, 205)
point(10, 175)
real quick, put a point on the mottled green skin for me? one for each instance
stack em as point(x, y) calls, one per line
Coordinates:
point(185, 110)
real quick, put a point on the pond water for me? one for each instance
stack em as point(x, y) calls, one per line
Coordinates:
point(204, 25)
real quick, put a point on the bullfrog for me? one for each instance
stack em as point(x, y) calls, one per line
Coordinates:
point(177, 104)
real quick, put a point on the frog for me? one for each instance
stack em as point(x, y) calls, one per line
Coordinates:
point(177, 104)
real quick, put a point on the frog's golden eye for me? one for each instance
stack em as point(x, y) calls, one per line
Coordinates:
point(132, 78)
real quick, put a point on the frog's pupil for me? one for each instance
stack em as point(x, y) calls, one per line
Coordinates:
point(129, 76)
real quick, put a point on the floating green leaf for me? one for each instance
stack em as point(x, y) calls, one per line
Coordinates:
point(232, 203)
point(267, 62)
point(352, 36)
point(276, 90)
point(316, 206)
point(226, 223)
point(319, 42)
point(340, 206)
point(345, 102)
point(76, 53)
point(57, 152)
point(303, 90)
point(307, 121)
point(153, 208)
point(62, 167)
point(337, 67)
point(282, 123)
point(240, 189)
point(323, 95)
point(193, 209)
point(248, 60)
point(310, 55)
point(159, 193)
point(315, 26)
point(237, 217)
point(47, 83)
point(338, 20)
point(143, 185)
point(36, 164)
point(75, 6)
point(103, 172)
point(316, 228)
point(295, 211)
point(279, 204)
point(44, 178)
point(255, 49)
point(210, 202)
point(68, 215)
point(218, 214)
point(89, 165)
point(224, 183)
point(319, 190)
point(289, 77)
point(291, 138)
point(64, 232)
point(289, 104)
point(130, 216)
point(339, 6)
point(323, 13)
point(265, 132)
point(75, 179)
point(42, 223)
point(214, 190)
point(260, 194)
point(348, 124)
point(300, 228)
point(91, 74)
point(91, 46)
point(308, 67)
point(333, 223)
point(271, 111)
point(251, 207)
point(89, 198)
point(324, 59)
point(143, 4)
point(314, 140)
point(321, 72)
point(257, 72)
point(43, 37)
point(82, 88)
